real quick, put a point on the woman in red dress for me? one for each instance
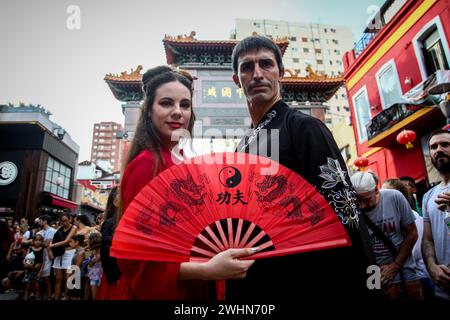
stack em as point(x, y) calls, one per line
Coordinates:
point(167, 107)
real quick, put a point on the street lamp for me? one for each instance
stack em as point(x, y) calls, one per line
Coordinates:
point(59, 181)
point(59, 132)
point(443, 88)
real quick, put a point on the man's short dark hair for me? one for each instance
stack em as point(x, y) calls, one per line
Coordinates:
point(408, 179)
point(253, 43)
point(437, 132)
point(46, 218)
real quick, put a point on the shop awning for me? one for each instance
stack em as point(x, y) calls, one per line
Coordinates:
point(61, 202)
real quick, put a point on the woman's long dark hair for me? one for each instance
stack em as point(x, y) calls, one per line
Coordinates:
point(146, 137)
point(111, 209)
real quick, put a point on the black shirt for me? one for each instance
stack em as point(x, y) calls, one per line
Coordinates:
point(307, 147)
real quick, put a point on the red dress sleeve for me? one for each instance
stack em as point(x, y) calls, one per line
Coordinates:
point(151, 280)
point(138, 173)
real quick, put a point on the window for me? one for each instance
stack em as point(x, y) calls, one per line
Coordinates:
point(388, 85)
point(257, 25)
point(335, 41)
point(95, 147)
point(292, 38)
point(362, 111)
point(431, 48)
point(113, 146)
point(57, 178)
point(319, 61)
point(304, 39)
point(96, 133)
point(433, 52)
point(294, 49)
point(325, 30)
point(331, 63)
point(333, 30)
point(318, 51)
point(338, 62)
point(295, 60)
point(305, 50)
point(337, 51)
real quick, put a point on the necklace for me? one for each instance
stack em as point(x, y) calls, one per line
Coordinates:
point(256, 131)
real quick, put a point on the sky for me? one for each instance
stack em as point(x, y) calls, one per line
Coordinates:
point(47, 58)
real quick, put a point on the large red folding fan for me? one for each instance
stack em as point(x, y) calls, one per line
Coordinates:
point(210, 203)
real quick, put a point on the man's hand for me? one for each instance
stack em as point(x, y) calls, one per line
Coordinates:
point(441, 276)
point(443, 201)
point(388, 272)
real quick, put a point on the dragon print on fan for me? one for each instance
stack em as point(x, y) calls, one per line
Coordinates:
point(188, 191)
point(165, 219)
point(268, 182)
point(267, 195)
point(176, 218)
point(142, 222)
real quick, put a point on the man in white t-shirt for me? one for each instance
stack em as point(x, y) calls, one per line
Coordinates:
point(390, 212)
point(436, 234)
point(47, 232)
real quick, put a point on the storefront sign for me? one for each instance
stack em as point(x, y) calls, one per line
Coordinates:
point(8, 172)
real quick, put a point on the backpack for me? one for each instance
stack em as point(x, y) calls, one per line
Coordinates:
point(59, 237)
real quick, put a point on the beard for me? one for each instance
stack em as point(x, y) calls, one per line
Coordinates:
point(441, 165)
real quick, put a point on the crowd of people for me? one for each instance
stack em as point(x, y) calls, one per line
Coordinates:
point(387, 226)
point(38, 258)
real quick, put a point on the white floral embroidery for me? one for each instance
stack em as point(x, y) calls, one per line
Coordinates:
point(343, 200)
point(333, 174)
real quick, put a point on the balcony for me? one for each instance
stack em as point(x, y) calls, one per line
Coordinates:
point(390, 117)
point(380, 19)
point(417, 105)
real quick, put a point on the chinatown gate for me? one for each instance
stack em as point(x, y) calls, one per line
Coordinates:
point(219, 105)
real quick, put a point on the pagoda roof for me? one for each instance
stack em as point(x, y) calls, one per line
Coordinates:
point(314, 87)
point(184, 45)
point(126, 86)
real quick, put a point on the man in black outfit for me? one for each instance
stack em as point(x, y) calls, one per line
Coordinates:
point(306, 146)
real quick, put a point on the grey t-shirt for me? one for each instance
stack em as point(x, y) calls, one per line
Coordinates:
point(440, 232)
point(392, 215)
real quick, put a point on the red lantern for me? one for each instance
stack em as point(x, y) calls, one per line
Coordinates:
point(361, 163)
point(406, 137)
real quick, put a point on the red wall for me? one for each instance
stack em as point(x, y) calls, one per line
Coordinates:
point(407, 162)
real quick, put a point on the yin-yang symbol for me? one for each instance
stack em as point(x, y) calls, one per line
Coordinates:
point(230, 177)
